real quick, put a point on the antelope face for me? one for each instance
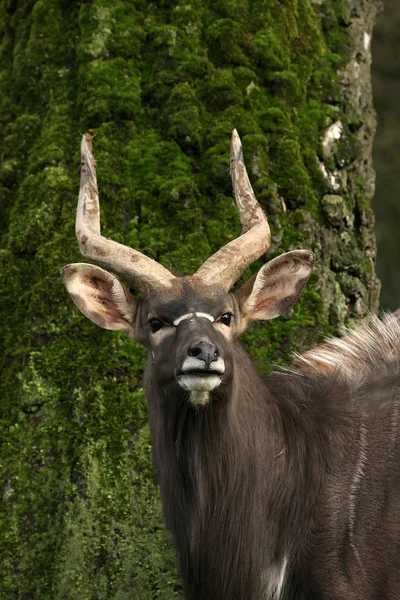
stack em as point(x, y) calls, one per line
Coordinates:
point(190, 340)
point(186, 323)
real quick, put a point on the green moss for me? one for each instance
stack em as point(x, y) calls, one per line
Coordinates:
point(220, 91)
point(286, 84)
point(268, 50)
point(183, 117)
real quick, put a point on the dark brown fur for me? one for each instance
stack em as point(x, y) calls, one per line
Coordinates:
point(265, 470)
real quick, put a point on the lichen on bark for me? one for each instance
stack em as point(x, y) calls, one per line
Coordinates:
point(160, 87)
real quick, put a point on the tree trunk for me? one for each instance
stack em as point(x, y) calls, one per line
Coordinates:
point(160, 86)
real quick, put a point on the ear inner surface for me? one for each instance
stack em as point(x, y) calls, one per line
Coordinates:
point(100, 296)
point(276, 287)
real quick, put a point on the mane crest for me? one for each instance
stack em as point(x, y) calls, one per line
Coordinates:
point(370, 350)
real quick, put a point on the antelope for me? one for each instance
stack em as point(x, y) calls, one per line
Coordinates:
point(277, 487)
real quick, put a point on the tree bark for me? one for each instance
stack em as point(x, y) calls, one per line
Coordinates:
point(160, 86)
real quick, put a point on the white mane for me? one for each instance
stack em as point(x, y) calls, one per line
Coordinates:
point(372, 348)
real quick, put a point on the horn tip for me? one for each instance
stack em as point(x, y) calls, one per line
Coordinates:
point(236, 147)
point(67, 271)
point(236, 138)
point(87, 142)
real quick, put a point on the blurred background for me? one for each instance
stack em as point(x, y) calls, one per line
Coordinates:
point(386, 86)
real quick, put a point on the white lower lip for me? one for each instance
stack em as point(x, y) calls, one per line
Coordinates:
point(201, 382)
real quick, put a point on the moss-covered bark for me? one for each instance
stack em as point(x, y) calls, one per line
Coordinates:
point(161, 85)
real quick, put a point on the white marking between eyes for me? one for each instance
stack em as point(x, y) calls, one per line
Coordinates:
point(201, 315)
point(191, 315)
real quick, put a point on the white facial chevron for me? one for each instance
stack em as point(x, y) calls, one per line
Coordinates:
point(199, 315)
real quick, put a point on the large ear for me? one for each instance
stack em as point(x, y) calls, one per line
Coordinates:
point(100, 296)
point(276, 287)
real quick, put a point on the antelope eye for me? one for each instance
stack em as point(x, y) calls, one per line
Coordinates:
point(226, 318)
point(155, 325)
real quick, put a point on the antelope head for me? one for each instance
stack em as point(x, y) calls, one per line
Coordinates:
point(187, 323)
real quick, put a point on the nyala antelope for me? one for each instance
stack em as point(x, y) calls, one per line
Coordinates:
point(280, 487)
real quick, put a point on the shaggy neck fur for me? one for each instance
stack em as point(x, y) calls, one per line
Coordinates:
point(241, 477)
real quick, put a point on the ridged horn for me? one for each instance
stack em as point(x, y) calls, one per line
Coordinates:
point(228, 263)
point(143, 273)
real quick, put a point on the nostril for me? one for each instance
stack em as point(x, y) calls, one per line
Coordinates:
point(204, 351)
point(194, 351)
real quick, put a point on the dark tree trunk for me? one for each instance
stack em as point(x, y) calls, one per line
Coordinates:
point(161, 85)
point(386, 82)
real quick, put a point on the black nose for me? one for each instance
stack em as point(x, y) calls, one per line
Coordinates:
point(204, 351)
